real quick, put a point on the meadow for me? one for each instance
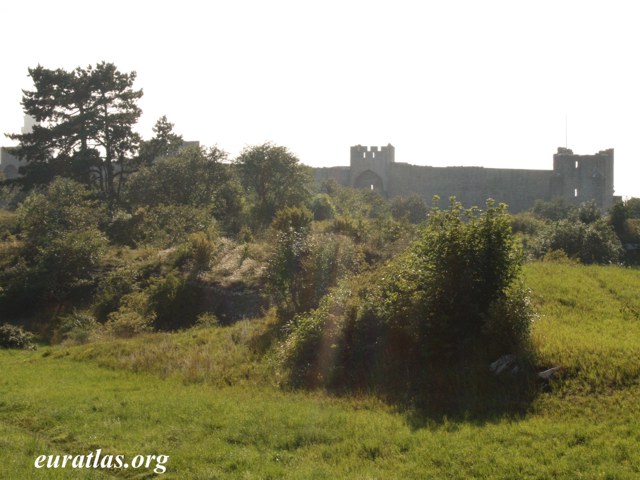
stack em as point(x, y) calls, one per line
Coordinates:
point(211, 399)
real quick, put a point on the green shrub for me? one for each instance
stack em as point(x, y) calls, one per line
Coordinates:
point(76, 328)
point(304, 267)
point(595, 242)
point(357, 229)
point(412, 208)
point(206, 320)
point(202, 250)
point(167, 225)
point(135, 316)
point(111, 289)
point(427, 323)
point(292, 219)
point(13, 336)
point(62, 242)
point(322, 207)
point(175, 303)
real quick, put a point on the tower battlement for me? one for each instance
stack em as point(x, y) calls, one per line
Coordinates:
point(370, 166)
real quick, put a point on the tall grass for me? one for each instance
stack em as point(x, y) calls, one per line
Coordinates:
point(587, 323)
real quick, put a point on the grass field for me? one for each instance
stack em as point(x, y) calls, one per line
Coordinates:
point(208, 398)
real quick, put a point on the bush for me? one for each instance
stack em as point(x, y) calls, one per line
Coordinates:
point(167, 225)
point(429, 322)
point(134, 316)
point(206, 320)
point(202, 250)
point(304, 267)
point(412, 208)
point(111, 289)
point(322, 207)
point(556, 209)
point(12, 336)
point(292, 219)
point(595, 242)
point(174, 302)
point(77, 328)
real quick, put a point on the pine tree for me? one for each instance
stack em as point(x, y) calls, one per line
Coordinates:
point(85, 126)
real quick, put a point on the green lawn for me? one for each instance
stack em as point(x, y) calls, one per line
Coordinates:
point(215, 418)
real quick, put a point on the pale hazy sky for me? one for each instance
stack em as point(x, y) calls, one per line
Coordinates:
point(486, 83)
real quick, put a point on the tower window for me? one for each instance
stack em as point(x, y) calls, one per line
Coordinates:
point(576, 163)
point(575, 192)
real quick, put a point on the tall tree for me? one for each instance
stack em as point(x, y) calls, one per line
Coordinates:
point(274, 177)
point(85, 131)
point(163, 144)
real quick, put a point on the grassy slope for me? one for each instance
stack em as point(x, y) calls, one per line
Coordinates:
point(205, 398)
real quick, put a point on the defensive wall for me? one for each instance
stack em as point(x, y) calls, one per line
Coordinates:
point(574, 178)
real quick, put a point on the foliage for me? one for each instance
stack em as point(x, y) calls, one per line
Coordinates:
point(322, 207)
point(293, 219)
point(304, 267)
point(526, 223)
point(358, 203)
point(175, 303)
point(207, 320)
point(556, 209)
point(13, 336)
point(587, 212)
point(595, 242)
point(633, 207)
point(64, 206)
point(193, 177)
point(413, 208)
point(62, 245)
point(165, 225)
point(8, 224)
point(112, 287)
point(203, 248)
point(76, 328)
point(164, 142)
point(135, 316)
point(86, 126)
point(452, 300)
point(273, 178)
point(356, 229)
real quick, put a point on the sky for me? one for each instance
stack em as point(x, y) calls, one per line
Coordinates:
point(498, 84)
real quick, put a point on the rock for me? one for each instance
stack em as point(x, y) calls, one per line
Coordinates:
point(550, 374)
point(505, 364)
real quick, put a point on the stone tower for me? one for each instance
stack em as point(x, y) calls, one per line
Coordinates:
point(580, 178)
point(370, 167)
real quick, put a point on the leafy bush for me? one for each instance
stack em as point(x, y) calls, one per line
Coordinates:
point(134, 316)
point(595, 242)
point(556, 209)
point(412, 208)
point(292, 219)
point(304, 267)
point(174, 302)
point(429, 322)
point(113, 286)
point(167, 225)
point(206, 320)
point(77, 328)
point(62, 245)
point(357, 229)
point(13, 336)
point(322, 207)
point(202, 250)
